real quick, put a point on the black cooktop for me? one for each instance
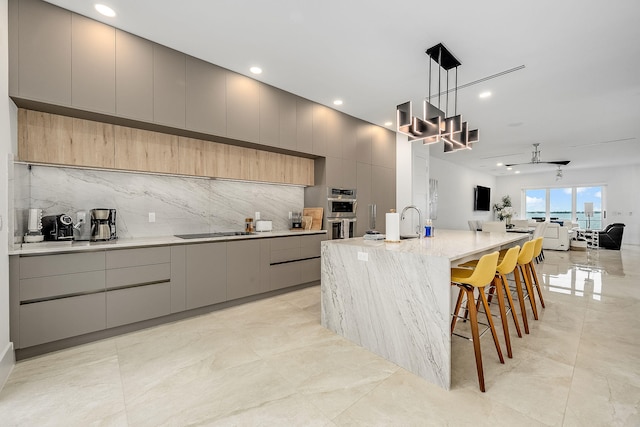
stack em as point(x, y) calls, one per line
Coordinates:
point(210, 235)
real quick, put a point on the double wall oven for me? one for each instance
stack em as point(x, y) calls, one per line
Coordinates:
point(341, 212)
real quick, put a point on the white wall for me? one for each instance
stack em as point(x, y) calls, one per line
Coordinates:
point(622, 201)
point(6, 348)
point(456, 186)
point(412, 180)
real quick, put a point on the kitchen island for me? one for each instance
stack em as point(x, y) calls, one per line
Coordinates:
point(394, 299)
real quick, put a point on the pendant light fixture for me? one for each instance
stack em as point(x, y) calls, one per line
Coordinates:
point(434, 126)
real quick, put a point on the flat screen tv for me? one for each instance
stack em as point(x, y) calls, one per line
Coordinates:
point(482, 199)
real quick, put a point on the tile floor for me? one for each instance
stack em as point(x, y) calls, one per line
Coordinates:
point(271, 363)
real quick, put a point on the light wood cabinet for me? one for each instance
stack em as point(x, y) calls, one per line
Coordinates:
point(197, 157)
point(41, 46)
point(142, 150)
point(93, 65)
point(50, 138)
point(134, 77)
point(169, 81)
point(206, 103)
point(243, 108)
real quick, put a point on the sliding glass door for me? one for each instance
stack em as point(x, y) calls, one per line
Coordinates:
point(584, 205)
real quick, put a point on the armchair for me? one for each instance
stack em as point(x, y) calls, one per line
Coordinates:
point(557, 237)
point(611, 237)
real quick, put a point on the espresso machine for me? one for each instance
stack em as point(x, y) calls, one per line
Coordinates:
point(103, 224)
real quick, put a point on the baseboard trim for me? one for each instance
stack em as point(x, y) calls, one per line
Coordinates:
point(7, 362)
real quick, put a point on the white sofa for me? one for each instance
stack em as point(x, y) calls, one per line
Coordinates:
point(558, 237)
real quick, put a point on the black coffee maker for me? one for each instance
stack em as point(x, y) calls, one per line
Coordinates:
point(103, 224)
point(57, 227)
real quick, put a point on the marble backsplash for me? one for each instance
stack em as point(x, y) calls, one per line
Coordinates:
point(181, 204)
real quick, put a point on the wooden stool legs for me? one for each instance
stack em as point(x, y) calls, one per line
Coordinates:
point(473, 317)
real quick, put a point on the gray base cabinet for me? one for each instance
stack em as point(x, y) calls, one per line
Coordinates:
point(138, 283)
point(244, 269)
point(53, 297)
point(61, 318)
point(294, 260)
point(206, 272)
point(137, 304)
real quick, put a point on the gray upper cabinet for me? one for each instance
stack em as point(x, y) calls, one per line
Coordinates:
point(319, 140)
point(42, 40)
point(269, 115)
point(206, 97)
point(304, 125)
point(349, 138)
point(134, 77)
point(243, 268)
point(288, 121)
point(383, 147)
point(93, 65)
point(363, 142)
point(243, 108)
point(169, 75)
point(206, 272)
point(335, 124)
point(335, 172)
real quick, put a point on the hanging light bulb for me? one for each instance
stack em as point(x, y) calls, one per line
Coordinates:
point(558, 174)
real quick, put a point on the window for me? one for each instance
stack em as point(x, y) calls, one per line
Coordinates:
point(589, 195)
point(566, 204)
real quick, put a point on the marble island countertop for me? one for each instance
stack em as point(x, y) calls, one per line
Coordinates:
point(395, 299)
point(450, 244)
point(45, 248)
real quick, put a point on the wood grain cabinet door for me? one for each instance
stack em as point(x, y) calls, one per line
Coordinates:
point(142, 150)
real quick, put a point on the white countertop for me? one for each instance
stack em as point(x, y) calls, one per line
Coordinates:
point(451, 244)
point(45, 248)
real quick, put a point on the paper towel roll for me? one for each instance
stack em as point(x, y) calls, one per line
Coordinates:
point(393, 226)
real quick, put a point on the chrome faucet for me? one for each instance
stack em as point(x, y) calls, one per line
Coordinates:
point(419, 218)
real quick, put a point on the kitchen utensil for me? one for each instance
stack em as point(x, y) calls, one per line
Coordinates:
point(316, 215)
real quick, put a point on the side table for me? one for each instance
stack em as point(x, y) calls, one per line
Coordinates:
point(592, 237)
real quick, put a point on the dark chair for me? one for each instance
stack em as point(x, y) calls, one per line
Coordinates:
point(611, 237)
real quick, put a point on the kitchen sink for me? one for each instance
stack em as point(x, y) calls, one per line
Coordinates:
point(412, 236)
point(216, 234)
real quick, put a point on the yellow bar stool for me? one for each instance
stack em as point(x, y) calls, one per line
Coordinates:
point(524, 258)
point(537, 250)
point(506, 266)
point(467, 280)
point(508, 260)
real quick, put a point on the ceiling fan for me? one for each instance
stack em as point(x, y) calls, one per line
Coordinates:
point(535, 159)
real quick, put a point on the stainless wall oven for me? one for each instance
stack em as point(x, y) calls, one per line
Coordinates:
point(341, 214)
point(341, 203)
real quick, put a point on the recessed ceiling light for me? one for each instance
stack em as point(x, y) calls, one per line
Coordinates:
point(337, 102)
point(486, 94)
point(509, 168)
point(256, 70)
point(517, 171)
point(498, 164)
point(105, 10)
point(388, 123)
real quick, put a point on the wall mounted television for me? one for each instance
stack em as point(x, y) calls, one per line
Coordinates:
point(482, 199)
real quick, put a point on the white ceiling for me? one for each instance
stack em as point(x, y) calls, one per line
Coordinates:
point(578, 94)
